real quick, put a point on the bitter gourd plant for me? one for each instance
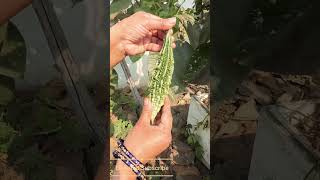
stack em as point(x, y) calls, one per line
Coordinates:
point(160, 79)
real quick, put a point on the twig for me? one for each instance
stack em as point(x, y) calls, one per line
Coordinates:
point(132, 85)
point(48, 132)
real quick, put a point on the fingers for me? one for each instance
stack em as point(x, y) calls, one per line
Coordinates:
point(159, 34)
point(161, 24)
point(133, 49)
point(153, 47)
point(166, 117)
point(146, 111)
point(153, 44)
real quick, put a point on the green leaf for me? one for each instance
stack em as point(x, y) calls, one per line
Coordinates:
point(182, 56)
point(46, 119)
point(13, 54)
point(72, 136)
point(35, 166)
point(121, 128)
point(191, 139)
point(136, 57)
point(189, 126)
point(6, 90)
point(18, 114)
point(7, 133)
point(205, 32)
point(199, 152)
point(117, 6)
point(194, 32)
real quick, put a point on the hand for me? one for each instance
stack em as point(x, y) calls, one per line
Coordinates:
point(136, 34)
point(146, 141)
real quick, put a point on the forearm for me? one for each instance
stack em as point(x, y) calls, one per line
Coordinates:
point(9, 8)
point(116, 48)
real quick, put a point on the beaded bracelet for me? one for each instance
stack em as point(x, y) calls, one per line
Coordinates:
point(118, 153)
point(128, 153)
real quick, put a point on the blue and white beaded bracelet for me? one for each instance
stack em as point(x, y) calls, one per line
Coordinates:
point(122, 153)
point(129, 154)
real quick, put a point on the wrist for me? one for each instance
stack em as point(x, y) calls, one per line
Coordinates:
point(136, 152)
point(117, 52)
point(124, 172)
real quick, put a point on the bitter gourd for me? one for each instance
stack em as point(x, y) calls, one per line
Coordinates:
point(160, 79)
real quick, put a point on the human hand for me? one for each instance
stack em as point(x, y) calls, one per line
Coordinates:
point(146, 141)
point(136, 34)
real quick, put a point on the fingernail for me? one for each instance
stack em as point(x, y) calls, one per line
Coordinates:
point(146, 102)
point(172, 20)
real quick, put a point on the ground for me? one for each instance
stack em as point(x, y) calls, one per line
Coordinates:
point(235, 122)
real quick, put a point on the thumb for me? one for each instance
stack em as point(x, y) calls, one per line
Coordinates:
point(161, 24)
point(146, 111)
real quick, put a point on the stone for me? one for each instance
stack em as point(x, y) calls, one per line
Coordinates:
point(286, 97)
point(182, 153)
point(261, 94)
point(246, 111)
point(230, 128)
point(189, 90)
point(187, 97)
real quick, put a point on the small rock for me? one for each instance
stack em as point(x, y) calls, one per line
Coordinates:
point(247, 111)
point(182, 102)
point(286, 97)
point(189, 90)
point(231, 128)
point(182, 153)
point(187, 97)
point(294, 121)
point(261, 94)
point(244, 91)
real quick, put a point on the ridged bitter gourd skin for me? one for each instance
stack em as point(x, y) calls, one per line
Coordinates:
point(160, 79)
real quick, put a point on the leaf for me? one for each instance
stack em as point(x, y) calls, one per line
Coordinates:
point(205, 30)
point(73, 136)
point(117, 6)
point(13, 54)
point(46, 119)
point(182, 56)
point(35, 166)
point(6, 90)
point(191, 139)
point(135, 58)
point(194, 32)
point(199, 152)
point(18, 145)
point(18, 114)
point(189, 126)
point(121, 128)
point(7, 134)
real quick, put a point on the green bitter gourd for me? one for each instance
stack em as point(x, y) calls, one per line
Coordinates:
point(161, 77)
